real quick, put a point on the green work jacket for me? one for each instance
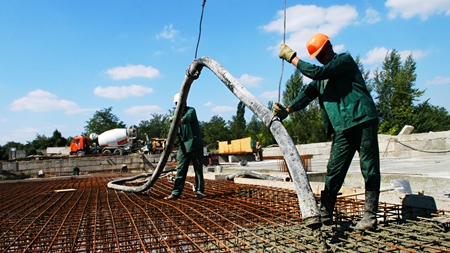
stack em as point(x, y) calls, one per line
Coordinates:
point(343, 96)
point(189, 133)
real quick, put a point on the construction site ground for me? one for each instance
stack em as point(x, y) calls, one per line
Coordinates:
point(81, 214)
point(428, 175)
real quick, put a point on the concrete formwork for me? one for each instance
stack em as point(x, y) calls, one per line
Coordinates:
point(89, 164)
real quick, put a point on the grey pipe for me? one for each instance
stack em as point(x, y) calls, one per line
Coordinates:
point(308, 206)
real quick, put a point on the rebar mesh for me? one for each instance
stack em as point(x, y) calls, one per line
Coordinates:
point(81, 214)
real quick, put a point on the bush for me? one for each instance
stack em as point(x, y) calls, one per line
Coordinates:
point(8, 175)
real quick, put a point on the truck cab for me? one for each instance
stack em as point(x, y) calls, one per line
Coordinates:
point(79, 146)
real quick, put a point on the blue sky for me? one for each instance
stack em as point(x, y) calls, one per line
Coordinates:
point(60, 61)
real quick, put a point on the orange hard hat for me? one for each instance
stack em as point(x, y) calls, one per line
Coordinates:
point(257, 143)
point(316, 43)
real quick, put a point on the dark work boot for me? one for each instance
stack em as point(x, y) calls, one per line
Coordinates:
point(327, 201)
point(369, 219)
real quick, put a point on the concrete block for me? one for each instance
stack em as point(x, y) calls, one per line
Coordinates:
point(407, 129)
point(316, 176)
point(233, 159)
point(271, 183)
point(221, 176)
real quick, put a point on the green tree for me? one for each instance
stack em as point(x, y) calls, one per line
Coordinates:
point(39, 143)
point(214, 131)
point(237, 123)
point(57, 140)
point(394, 86)
point(365, 74)
point(102, 121)
point(254, 127)
point(157, 127)
point(265, 137)
point(427, 117)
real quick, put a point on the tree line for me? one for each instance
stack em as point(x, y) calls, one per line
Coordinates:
point(392, 87)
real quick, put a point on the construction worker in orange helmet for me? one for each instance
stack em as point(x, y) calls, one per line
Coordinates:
point(349, 116)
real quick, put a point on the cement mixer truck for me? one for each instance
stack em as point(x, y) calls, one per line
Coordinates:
point(118, 141)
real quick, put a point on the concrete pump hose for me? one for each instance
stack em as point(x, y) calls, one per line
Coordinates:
point(307, 202)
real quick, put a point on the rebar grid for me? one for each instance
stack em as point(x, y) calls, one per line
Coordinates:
point(35, 217)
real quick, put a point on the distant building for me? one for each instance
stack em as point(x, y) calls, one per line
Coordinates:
point(57, 150)
point(16, 154)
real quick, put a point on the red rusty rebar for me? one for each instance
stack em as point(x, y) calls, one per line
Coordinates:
point(212, 222)
point(232, 218)
point(29, 225)
point(151, 221)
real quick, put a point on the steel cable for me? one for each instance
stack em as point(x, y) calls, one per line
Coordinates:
point(200, 29)
point(282, 61)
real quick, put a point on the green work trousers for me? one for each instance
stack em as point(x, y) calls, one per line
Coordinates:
point(364, 139)
point(184, 159)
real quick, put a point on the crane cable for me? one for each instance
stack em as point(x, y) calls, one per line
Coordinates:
point(284, 41)
point(282, 61)
point(200, 29)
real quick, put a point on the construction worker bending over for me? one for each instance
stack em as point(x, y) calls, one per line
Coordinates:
point(350, 116)
point(41, 173)
point(190, 150)
point(75, 171)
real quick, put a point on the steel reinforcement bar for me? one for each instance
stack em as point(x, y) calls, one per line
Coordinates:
point(81, 214)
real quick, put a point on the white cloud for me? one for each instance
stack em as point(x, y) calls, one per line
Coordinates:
point(4, 120)
point(306, 80)
point(409, 8)
point(42, 101)
point(305, 20)
point(270, 95)
point(439, 80)
point(416, 54)
point(73, 111)
point(375, 55)
point(23, 133)
point(250, 81)
point(371, 16)
point(119, 92)
point(208, 104)
point(132, 71)
point(338, 48)
point(222, 108)
point(167, 33)
point(378, 54)
point(179, 49)
point(143, 110)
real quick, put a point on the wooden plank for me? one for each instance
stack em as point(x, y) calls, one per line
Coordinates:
point(245, 145)
point(65, 190)
point(223, 147)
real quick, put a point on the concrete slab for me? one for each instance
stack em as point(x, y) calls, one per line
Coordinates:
point(429, 175)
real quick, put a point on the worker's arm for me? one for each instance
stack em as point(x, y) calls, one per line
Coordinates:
point(305, 97)
point(188, 116)
point(341, 64)
point(295, 61)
